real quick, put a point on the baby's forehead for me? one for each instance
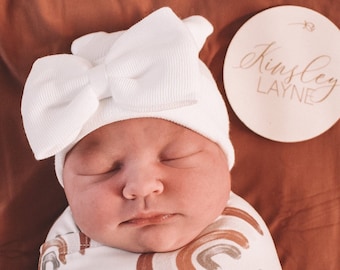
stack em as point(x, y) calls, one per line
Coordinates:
point(140, 132)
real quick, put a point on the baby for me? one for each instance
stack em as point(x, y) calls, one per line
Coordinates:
point(139, 132)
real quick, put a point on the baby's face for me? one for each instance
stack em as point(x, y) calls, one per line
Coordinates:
point(145, 185)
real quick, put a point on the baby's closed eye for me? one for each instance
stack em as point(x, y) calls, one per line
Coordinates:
point(181, 159)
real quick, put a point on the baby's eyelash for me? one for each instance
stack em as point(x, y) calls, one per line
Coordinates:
point(181, 156)
point(116, 166)
point(171, 157)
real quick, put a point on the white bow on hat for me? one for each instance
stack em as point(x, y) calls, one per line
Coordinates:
point(150, 70)
point(157, 66)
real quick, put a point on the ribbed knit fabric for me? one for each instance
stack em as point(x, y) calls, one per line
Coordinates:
point(150, 70)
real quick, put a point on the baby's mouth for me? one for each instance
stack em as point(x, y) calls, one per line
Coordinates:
point(141, 220)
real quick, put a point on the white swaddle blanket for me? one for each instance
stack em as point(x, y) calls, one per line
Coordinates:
point(238, 239)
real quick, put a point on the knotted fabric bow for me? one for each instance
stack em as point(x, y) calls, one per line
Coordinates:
point(151, 67)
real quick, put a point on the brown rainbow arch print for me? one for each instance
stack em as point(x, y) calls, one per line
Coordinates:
point(184, 256)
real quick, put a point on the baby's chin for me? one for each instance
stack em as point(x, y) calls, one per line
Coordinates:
point(155, 244)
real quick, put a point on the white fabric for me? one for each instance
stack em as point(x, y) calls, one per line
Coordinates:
point(239, 239)
point(150, 70)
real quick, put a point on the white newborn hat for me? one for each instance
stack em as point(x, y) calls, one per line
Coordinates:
point(150, 70)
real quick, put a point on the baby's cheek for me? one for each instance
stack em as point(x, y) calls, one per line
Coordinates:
point(87, 219)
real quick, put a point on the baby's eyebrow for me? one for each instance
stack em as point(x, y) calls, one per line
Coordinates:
point(88, 147)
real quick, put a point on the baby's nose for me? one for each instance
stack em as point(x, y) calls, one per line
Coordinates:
point(142, 181)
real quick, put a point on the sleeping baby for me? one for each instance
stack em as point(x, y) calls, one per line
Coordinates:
point(140, 135)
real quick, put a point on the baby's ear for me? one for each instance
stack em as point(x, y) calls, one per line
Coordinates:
point(94, 46)
point(200, 29)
